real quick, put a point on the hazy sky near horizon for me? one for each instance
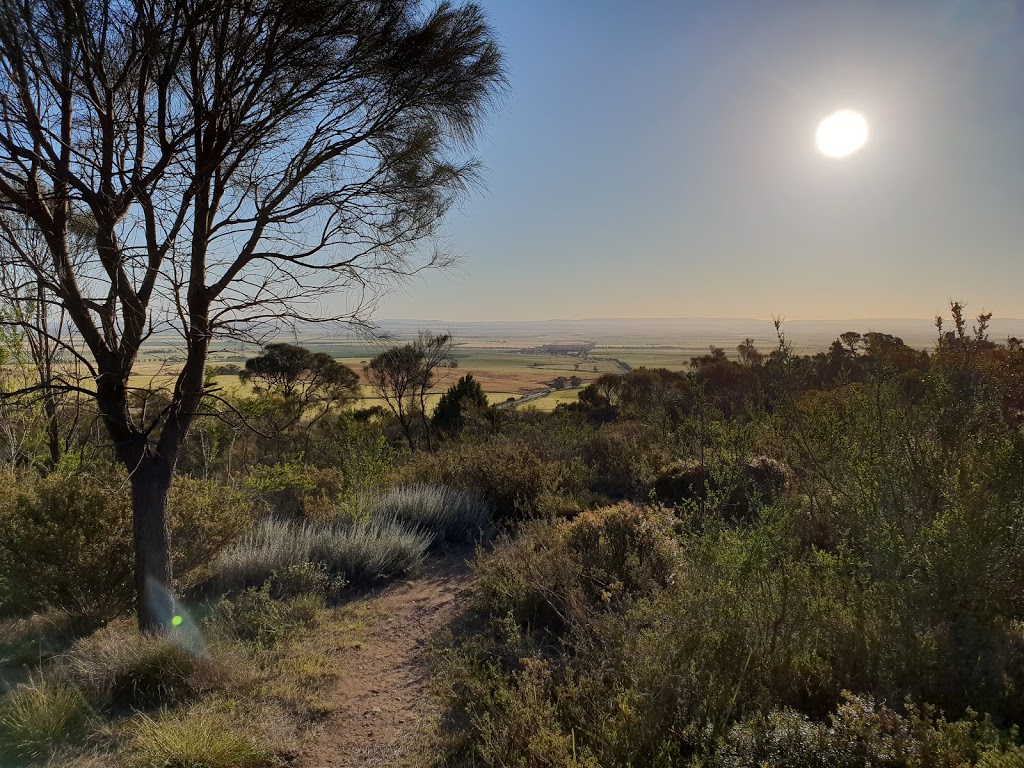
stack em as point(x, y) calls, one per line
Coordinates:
point(657, 159)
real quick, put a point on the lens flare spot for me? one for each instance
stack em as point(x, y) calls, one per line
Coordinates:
point(177, 621)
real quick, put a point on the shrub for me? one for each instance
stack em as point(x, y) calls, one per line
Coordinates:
point(295, 491)
point(864, 734)
point(120, 669)
point(37, 638)
point(37, 717)
point(450, 514)
point(375, 550)
point(736, 490)
point(204, 518)
point(682, 483)
point(256, 616)
point(555, 576)
point(624, 459)
point(65, 543)
point(517, 480)
point(306, 579)
point(66, 539)
point(195, 740)
point(271, 547)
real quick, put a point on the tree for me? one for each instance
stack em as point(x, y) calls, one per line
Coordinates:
point(293, 371)
point(402, 377)
point(462, 397)
point(303, 379)
point(239, 160)
point(750, 355)
point(35, 331)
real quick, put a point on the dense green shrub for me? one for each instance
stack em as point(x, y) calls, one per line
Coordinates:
point(668, 640)
point(204, 518)
point(463, 401)
point(65, 542)
point(736, 491)
point(516, 479)
point(682, 483)
point(624, 458)
point(296, 490)
point(66, 539)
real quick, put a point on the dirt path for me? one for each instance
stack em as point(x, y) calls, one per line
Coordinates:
point(380, 698)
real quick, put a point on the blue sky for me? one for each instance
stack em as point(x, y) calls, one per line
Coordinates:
point(657, 159)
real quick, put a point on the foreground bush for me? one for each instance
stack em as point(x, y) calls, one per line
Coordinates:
point(256, 616)
point(66, 539)
point(864, 734)
point(39, 716)
point(205, 517)
point(65, 544)
point(361, 553)
point(736, 491)
point(195, 740)
point(449, 514)
point(624, 459)
point(554, 577)
point(667, 633)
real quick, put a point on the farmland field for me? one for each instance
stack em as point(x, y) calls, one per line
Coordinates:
point(515, 360)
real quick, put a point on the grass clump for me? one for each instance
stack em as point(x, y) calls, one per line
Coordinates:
point(374, 550)
point(120, 670)
point(362, 553)
point(39, 716)
point(195, 740)
point(453, 515)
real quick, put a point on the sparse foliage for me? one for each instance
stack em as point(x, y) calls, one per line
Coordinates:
point(236, 161)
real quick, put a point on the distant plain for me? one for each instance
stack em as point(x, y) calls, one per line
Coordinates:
point(509, 362)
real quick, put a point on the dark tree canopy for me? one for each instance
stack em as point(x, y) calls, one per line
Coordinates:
point(293, 371)
point(465, 395)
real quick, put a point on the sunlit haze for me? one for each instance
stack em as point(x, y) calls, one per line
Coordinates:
point(659, 160)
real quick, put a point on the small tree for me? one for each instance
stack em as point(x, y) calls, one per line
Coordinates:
point(293, 371)
point(461, 398)
point(403, 376)
point(310, 383)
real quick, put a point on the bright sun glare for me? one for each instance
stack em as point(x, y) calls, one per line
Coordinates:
point(842, 133)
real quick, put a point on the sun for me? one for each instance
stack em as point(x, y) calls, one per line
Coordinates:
point(842, 133)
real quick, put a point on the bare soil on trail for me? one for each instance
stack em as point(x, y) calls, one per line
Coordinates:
point(380, 699)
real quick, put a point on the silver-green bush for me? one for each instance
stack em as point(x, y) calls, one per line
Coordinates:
point(361, 553)
point(451, 514)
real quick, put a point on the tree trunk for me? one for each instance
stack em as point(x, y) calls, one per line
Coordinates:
point(151, 481)
point(52, 427)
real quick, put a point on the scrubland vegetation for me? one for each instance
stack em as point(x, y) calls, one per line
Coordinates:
point(775, 560)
